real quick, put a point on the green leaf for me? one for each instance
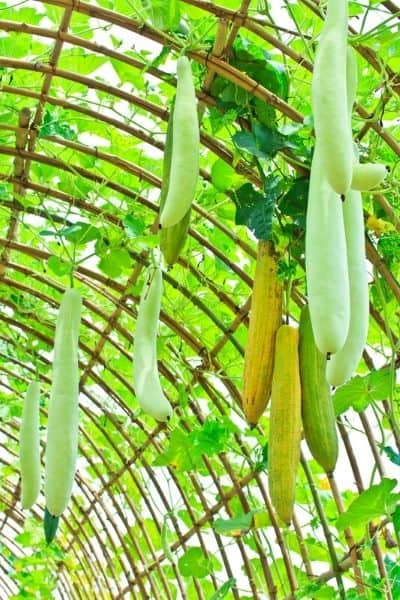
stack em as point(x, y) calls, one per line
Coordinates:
point(113, 263)
point(80, 233)
point(258, 64)
point(389, 246)
point(178, 454)
point(375, 502)
point(56, 123)
point(211, 437)
point(163, 14)
point(263, 141)
point(359, 392)
point(255, 209)
point(236, 526)
point(185, 449)
point(193, 563)
point(222, 175)
point(380, 383)
point(133, 226)
point(57, 266)
point(294, 202)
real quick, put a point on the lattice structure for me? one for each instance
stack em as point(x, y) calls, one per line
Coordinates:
point(86, 90)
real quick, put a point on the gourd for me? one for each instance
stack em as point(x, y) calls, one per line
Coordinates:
point(62, 426)
point(326, 262)
point(317, 411)
point(367, 176)
point(185, 148)
point(329, 99)
point(265, 319)
point(342, 364)
point(145, 370)
point(285, 423)
point(29, 446)
point(172, 239)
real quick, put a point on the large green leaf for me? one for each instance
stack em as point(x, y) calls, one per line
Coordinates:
point(262, 141)
point(193, 563)
point(255, 209)
point(376, 501)
point(360, 391)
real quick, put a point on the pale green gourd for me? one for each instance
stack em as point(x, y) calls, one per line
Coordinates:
point(146, 379)
point(329, 99)
point(341, 365)
point(172, 239)
point(29, 446)
point(62, 425)
point(326, 262)
point(185, 148)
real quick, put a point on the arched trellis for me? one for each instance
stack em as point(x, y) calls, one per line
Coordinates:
point(126, 512)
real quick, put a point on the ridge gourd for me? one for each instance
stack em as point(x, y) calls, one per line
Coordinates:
point(318, 416)
point(185, 148)
point(62, 424)
point(265, 319)
point(285, 423)
point(329, 99)
point(29, 445)
point(146, 379)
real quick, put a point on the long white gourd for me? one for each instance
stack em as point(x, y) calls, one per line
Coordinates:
point(342, 365)
point(329, 99)
point(146, 379)
point(29, 446)
point(62, 426)
point(185, 148)
point(326, 262)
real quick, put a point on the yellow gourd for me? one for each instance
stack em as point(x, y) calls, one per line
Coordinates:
point(265, 318)
point(285, 423)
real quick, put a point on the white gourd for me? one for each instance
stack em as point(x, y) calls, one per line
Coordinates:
point(145, 369)
point(185, 148)
point(342, 365)
point(29, 446)
point(329, 99)
point(326, 262)
point(62, 426)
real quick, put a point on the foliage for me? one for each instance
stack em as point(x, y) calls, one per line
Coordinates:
point(179, 503)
